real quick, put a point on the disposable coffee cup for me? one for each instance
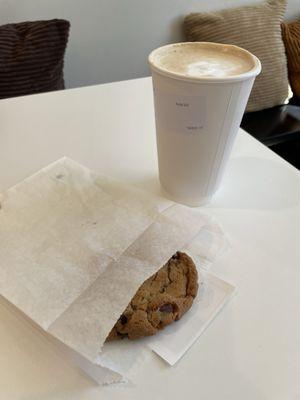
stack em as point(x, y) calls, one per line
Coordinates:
point(200, 93)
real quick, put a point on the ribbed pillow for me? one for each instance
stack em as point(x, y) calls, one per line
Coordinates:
point(32, 57)
point(257, 29)
point(291, 38)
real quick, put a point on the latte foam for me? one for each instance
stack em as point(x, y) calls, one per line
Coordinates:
point(202, 60)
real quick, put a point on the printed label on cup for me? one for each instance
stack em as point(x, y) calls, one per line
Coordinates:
point(181, 114)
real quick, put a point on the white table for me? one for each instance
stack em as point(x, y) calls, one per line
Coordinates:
point(252, 350)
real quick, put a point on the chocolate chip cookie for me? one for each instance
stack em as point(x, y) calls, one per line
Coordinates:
point(160, 300)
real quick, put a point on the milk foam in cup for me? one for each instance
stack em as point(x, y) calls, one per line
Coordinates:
point(200, 93)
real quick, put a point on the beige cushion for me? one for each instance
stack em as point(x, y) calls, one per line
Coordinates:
point(291, 39)
point(257, 29)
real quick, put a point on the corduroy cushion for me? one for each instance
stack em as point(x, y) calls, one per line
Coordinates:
point(257, 29)
point(291, 38)
point(32, 57)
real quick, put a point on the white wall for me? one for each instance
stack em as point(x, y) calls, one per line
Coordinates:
point(110, 39)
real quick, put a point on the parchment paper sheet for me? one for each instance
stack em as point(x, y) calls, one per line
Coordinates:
point(177, 338)
point(75, 247)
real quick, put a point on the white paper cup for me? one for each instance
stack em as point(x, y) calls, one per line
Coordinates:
point(197, 120)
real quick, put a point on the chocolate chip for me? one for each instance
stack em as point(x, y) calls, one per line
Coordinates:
point(123, 319)
point(175, 256)
point(167, 308)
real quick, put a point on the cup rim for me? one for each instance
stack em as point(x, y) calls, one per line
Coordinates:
point(232, 78)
